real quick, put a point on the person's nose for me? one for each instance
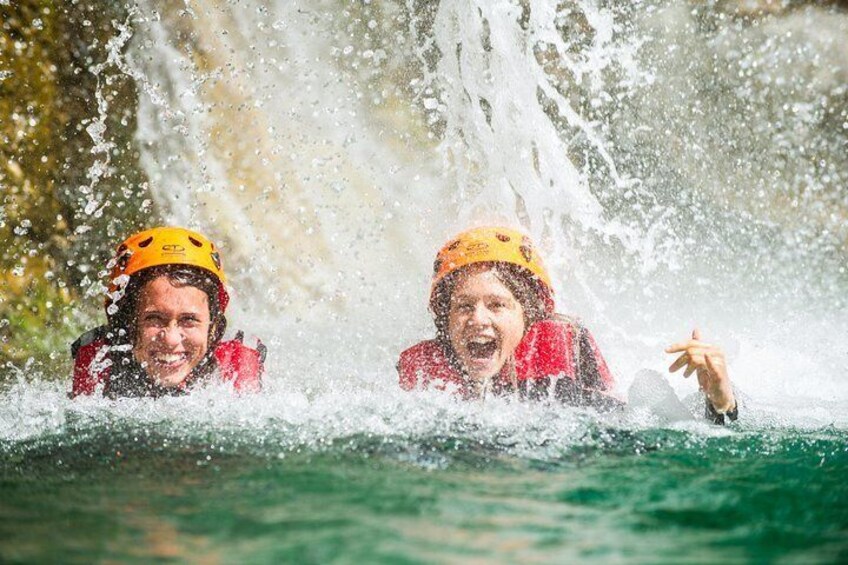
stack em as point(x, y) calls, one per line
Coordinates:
point(172, 335)
point(481, 316)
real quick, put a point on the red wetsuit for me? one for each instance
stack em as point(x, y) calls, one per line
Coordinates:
point(556, 357)
point(94, 358)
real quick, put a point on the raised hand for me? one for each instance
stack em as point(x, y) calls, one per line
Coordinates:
point(707, 361)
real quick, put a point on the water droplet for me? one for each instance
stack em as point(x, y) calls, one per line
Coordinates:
point(91, 206)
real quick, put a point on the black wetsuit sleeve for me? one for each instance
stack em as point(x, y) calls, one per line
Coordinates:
point(588, 389)
point(717, 417)
point(589, 370)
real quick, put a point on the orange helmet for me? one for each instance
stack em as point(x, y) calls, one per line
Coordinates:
point(167, 246)
point(492, 245)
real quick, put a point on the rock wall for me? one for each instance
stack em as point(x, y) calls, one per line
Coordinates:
point(58, 222)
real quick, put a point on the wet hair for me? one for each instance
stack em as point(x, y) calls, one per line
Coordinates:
point(521, 283)
point(123, 325)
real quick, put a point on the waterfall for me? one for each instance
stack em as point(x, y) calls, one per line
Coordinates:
point(659, 153)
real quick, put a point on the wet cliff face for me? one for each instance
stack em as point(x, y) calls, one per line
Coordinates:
point(57, 223)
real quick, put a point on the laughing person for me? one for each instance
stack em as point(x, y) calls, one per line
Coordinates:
point(165, 311)
point(497, 333)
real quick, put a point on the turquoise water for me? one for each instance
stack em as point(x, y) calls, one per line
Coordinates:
point(135, 493)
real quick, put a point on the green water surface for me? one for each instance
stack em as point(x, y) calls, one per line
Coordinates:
point(651, 496)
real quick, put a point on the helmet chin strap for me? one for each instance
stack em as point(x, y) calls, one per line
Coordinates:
point(217, 329)
point(486, 387)
point(507, 372)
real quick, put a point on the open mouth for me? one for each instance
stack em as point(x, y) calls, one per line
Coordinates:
point(482, 347)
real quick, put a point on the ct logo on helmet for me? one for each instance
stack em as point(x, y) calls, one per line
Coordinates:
point(216, 259)
point(173, 249)
point(476, 248)
point(526, 249)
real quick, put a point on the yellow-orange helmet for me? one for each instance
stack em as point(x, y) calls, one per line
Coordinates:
point(168, 246)
point(492, 245)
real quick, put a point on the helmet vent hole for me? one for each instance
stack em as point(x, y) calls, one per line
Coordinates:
point(146, 242)
point(502, 238)
point(195, 242)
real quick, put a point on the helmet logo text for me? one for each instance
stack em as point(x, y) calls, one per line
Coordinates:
point(173, 249)
point(477, 248)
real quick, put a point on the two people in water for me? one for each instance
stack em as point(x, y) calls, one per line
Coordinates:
point(497, 329)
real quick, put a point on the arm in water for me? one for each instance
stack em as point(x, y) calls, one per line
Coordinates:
point(707, 361)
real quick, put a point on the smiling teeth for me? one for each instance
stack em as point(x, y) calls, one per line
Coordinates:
point(168, 359)
point(481, 340)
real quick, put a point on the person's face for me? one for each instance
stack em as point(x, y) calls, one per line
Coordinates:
point(172, 330)
point(485, 323)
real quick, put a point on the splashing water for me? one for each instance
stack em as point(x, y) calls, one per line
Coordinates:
point(331, 147)
point(331, 195)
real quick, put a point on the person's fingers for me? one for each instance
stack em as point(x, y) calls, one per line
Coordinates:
point(691, 368)
point(682, 346)
point(679, 362)
point(677, 347)
point(688, 344)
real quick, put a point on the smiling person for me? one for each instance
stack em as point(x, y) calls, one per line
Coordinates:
point(165, 310)
point(497, 332)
